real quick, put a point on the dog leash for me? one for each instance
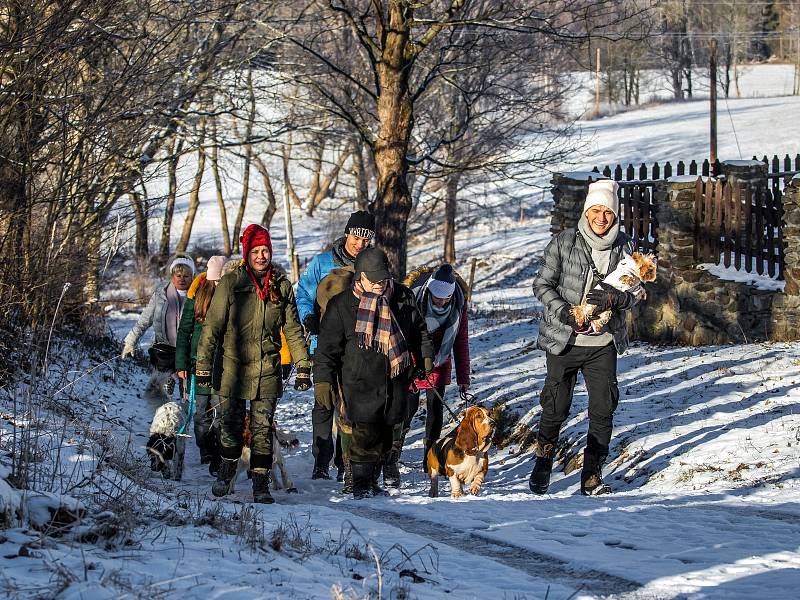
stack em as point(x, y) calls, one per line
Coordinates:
point(437, 394)
point(190, 412)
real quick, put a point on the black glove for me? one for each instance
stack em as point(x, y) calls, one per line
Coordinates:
point(302, 380)
point(607, 298)
point(311, 323)
point(565, 316)
point(323, 394)
point(202, 379)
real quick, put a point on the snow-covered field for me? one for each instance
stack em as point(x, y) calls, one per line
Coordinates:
point(705, 459)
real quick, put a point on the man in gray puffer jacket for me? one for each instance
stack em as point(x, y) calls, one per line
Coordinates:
point(575, 262)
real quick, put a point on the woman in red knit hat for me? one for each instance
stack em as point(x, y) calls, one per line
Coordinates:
point(249, 308)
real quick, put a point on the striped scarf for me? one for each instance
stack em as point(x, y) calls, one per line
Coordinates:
point(377, 329)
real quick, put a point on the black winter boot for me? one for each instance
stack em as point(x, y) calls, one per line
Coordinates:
point(363, 474)
point(592, 471)
point(261, 481)
point(391, 466)
point(347, 488)
point(377, 490)
point(540, 476)
point(321, 468)
point(225, 475)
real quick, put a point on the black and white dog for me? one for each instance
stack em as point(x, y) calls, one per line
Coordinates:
point(166, 447)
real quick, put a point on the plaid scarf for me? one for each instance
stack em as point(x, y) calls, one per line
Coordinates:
point(377, 329)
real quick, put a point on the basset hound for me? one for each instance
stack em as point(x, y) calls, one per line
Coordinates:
point(462, 454)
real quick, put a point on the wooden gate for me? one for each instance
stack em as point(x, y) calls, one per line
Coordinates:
point(738, 226)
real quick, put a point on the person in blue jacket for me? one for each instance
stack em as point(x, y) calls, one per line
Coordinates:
point(358, 234)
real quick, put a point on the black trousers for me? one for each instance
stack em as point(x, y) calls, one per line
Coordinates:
point(323, 447)
point(599, 368)
point(434, 415)
point(371, 441)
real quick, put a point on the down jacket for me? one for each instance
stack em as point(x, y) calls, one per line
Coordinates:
point(248, 330)
point(561, 280)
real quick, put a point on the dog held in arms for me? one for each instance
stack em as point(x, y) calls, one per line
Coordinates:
point(166, 447)
point(629, 275)
point(279, 438)
point(462, 455)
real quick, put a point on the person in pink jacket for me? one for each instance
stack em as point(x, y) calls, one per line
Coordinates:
point(441, 297)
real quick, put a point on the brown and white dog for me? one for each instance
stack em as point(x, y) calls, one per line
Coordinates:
point(462, 454)
point(629, 275)
point(279, 438)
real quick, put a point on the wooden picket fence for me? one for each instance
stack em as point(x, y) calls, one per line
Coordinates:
point(638, 215)
point(738, 226)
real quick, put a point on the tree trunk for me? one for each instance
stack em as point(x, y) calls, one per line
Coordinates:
point(271, 205)
point(325, 187)
point(172, 193)
point(287, 154)
point(450, 210)
point(141, 244)
point(248, 155)
point(223, 212)
point(396, 120)
point(194, 195)
point(360, 176)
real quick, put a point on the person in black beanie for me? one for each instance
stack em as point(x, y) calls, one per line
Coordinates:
point(358, 234)
point(373, 340)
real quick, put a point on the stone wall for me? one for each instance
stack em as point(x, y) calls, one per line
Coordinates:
point(687, 305)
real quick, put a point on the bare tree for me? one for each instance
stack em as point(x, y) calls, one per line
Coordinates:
point(373, 62)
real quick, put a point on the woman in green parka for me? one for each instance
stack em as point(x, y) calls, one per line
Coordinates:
point(243, 323)
point(198, 300)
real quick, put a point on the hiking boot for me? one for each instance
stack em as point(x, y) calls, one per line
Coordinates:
point(592, 474)
point(363, 474)
point(320, 473)
point(261, 481)
point(375, 486)
point(225, 475)
point(347, 472)
point(391, 464)
point(540, 476)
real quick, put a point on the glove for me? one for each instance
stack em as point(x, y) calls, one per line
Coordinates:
point(323, 394)
point(565, 316)
point(302, 380)
point(607, 298)
point(311, 324)
point(128, 351)
point(424, 371)
point(202, 379)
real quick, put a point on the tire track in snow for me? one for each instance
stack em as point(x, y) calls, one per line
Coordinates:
point(472, 541)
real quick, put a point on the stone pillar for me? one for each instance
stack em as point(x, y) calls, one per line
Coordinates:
point(569, 194)
point(745, 171)
point(786, 306)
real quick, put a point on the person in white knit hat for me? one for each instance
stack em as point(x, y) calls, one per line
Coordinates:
point(575, 261)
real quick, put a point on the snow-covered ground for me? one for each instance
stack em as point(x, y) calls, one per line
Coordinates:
point(705, 459)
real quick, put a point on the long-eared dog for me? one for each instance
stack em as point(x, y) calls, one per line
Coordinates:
point(165, 447)
point(628, 276)
point(462, 455)
point(278, 439)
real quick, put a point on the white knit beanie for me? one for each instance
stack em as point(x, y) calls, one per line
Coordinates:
point(602, 193)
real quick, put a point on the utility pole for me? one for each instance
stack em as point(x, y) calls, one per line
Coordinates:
point(712, 68)
point(597, 83)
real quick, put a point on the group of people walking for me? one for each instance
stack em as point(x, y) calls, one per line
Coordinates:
point(375, 343)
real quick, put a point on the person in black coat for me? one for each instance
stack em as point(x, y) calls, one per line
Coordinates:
point(374, 338)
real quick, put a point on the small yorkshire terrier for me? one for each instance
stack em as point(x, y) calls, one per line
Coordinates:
point(631, 272)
